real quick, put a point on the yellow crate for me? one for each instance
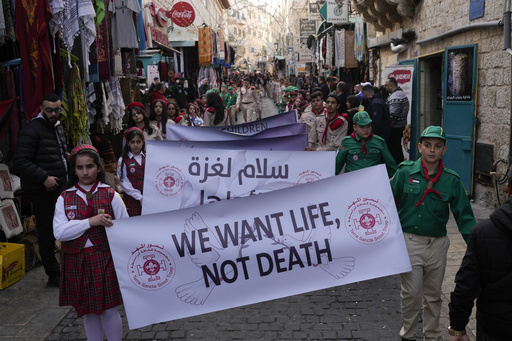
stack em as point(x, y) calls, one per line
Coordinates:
point(12, 263)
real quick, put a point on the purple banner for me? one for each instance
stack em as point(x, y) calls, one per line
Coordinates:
point(185, 133)
point(291, 142)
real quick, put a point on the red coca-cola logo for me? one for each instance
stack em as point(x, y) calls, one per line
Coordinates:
point(401, 76)
point(182, 14)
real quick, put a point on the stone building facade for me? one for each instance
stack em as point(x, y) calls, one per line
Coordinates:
point(444, 30)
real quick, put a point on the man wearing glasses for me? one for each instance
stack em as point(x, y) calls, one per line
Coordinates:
point(40, 160)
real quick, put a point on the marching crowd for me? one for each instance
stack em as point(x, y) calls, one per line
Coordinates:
point(365, 126)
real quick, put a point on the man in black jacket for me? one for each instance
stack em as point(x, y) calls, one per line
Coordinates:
point(379, 112)
point(40, 160)
point(486, 275)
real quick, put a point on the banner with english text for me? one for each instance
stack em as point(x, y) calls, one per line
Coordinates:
point(251, 128)
point(198, 260)
point(291, 142)
point(176, 178)
point(185, 133)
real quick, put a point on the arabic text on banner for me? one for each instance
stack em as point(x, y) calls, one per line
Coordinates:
point(176, 178)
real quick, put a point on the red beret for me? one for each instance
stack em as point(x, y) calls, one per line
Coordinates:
point(127, 131)
point(81, 147)
point(136, 104)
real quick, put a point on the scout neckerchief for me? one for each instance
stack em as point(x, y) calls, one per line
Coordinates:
point(431, 183)
point(88, 195)
point(363, 142)
point(323, 110)
point(332, 123)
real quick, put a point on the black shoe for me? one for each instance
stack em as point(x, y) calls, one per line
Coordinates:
point(53, 282)
point(408, 339)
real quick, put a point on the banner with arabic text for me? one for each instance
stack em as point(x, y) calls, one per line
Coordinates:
point(176, 178)
point(251, 128)
point(198, 260)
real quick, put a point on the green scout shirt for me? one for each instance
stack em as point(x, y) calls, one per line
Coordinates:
point(431, 216)
point(231, 100)
point(349, 153)
point(225, 98)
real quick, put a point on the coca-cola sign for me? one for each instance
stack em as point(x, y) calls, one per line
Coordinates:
point(401, 76)
point(182, 14)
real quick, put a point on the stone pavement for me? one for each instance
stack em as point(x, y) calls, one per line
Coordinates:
point(368, 310)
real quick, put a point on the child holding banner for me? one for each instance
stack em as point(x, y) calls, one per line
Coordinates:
point(130, 170)
point(88, 280)
point(426, 191)
point(363, 149)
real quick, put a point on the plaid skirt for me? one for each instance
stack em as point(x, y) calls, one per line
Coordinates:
point(132, 206)
point(88, 281)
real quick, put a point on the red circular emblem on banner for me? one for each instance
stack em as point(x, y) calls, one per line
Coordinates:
point(182, 14)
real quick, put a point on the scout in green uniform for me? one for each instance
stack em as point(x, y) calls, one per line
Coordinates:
point(231, 105)
point(362, 149)
point(426, 191)
point(224, 95)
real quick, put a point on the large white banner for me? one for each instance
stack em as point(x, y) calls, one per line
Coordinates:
point(176, 178)
point(291, 142)
point(185, 133)
point(303, 238)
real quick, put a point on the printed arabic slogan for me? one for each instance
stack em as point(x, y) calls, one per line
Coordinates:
point(176, 178)
point(232, 253)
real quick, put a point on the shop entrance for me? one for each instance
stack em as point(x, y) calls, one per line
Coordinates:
point(431, 85)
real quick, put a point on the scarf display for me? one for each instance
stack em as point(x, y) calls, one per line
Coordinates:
point(205, 46)
point(339, 48)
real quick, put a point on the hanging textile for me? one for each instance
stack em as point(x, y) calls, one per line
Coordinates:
point(8, 17)
point(33, 38)
point(220, 45)
point(105, 52)
point(148, 23)
point(329, 54)
point(140, 27)
point(3, 30)
point(359, 41)
point(9, 119)
point(350, 58)
point(77, 108)
point(339, 48)
point(118, 108)
point(124, 23)
point(205, 46)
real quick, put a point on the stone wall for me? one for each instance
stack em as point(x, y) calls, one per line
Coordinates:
point(494, 73)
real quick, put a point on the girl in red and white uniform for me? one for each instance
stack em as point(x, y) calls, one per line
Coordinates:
point(130, 170)
point(88, 280)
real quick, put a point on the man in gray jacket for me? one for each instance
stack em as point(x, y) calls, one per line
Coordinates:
point(398, 110)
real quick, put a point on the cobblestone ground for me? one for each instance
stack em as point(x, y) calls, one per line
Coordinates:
point(368, 310)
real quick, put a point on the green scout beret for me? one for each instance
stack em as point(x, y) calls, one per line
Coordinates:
point(362, 118)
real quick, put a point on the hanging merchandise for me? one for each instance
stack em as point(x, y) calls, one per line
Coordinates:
point(329, 54)
point(205, 46)
point(350, 58)
point(140, 27)
point(359, 40)
point(339, 47)
point(124, 23)
point(74, 115)
point(104, 50)
point(118, 108)
point(33, 38)
point(9, 25)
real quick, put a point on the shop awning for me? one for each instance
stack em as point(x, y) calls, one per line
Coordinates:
point(279, 57)
point(166, 48)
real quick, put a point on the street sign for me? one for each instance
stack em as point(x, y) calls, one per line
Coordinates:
point(306, 27)
point(333, 14)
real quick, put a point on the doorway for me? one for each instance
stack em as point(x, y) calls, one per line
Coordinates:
point(431, 95)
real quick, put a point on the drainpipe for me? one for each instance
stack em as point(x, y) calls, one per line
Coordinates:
point(506, 47)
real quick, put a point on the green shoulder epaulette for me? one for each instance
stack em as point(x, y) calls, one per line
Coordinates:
point(452, 172)
point(406, 163)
